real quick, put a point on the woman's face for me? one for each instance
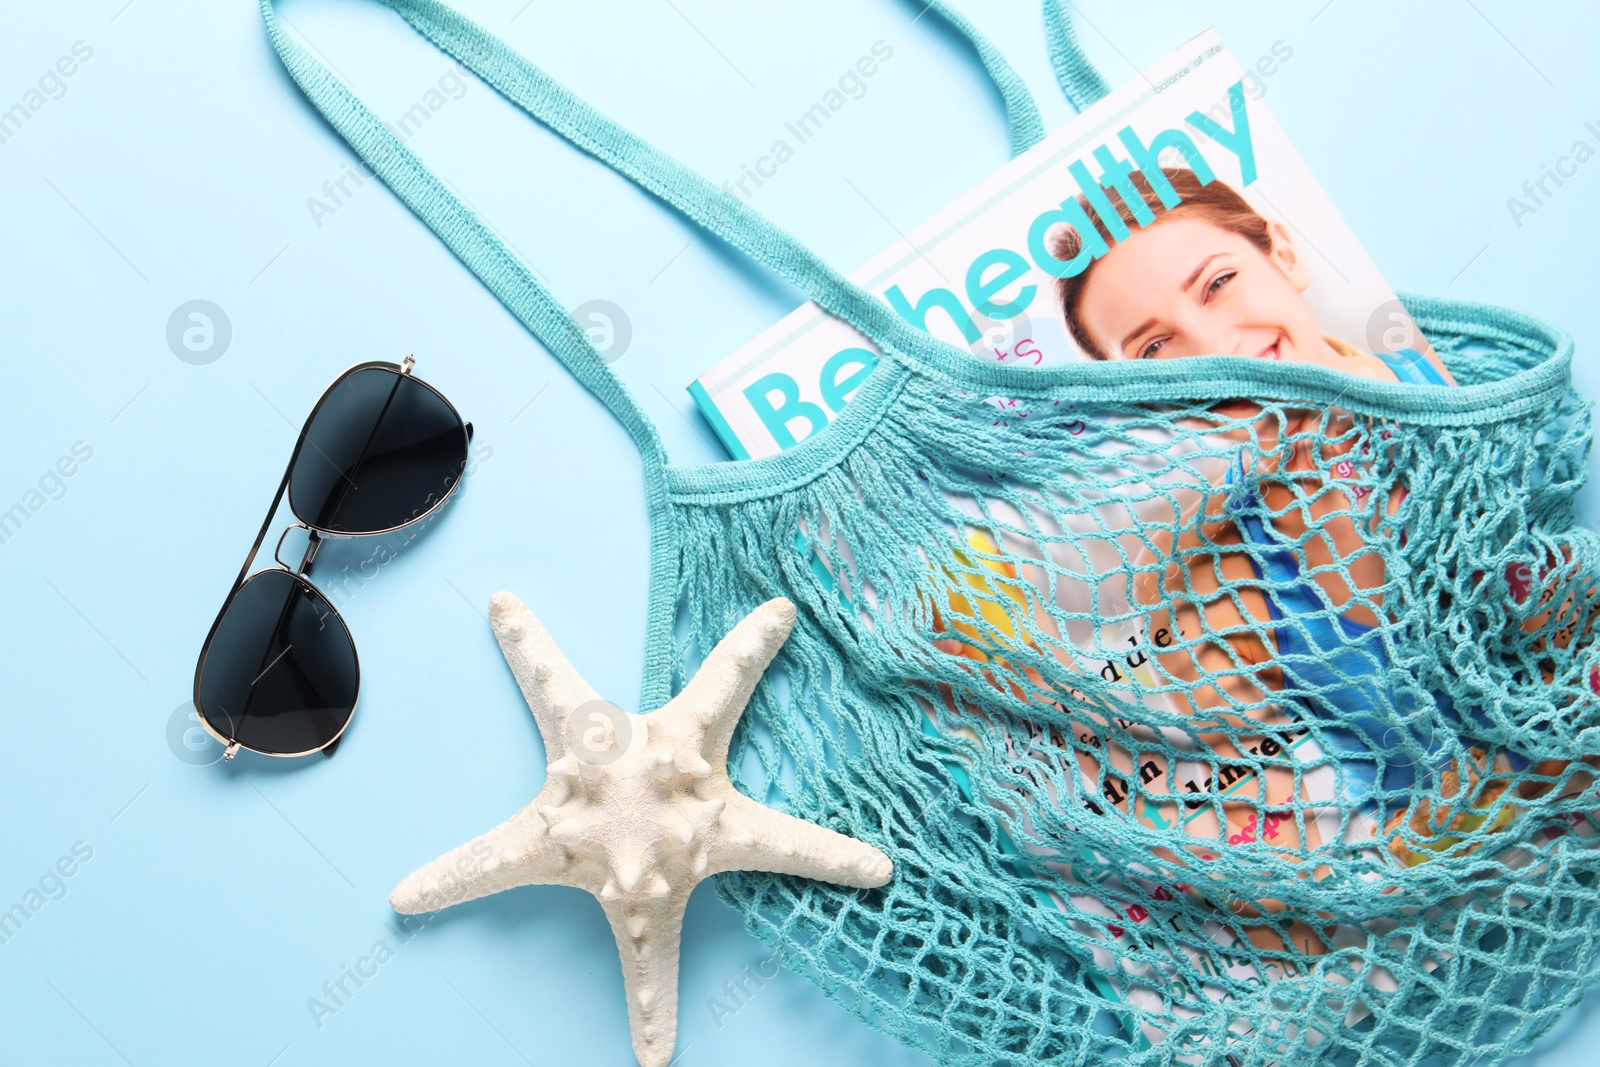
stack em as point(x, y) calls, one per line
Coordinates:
point(1186, 287)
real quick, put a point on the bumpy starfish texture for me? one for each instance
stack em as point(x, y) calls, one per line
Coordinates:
point(637, 809)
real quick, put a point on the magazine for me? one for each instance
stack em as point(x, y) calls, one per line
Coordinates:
point(982, 274)
point(1004, 272)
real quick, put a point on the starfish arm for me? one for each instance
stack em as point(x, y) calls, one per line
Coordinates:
point(518, 852)
point(752, 837)
point(715, 697)
point(551, 685)
point(649, 932)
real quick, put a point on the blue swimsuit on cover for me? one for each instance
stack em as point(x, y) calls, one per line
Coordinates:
point(1342, 663)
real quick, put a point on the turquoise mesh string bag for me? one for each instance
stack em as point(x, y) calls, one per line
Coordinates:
point(1213, 710)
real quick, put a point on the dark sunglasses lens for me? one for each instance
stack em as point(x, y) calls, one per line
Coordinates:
point(382, 449)
point(279, 674)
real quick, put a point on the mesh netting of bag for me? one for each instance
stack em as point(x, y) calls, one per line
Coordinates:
point(1250, 730)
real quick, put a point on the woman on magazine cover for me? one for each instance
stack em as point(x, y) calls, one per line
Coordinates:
point(1212, 276)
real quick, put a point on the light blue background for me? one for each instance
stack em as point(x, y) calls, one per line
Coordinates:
point(178, 165)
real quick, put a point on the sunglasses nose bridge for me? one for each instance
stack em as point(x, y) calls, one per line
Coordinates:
point(313, 542)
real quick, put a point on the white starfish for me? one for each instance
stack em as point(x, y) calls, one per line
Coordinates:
point(637, 809)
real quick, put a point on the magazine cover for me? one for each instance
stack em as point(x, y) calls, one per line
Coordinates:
point(1057, 257)
point(987, 273)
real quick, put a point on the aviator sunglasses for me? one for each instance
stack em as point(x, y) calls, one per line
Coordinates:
point(278, 673)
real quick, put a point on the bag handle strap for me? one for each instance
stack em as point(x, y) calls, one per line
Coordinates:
point(567, 115)
point(1079, 79)
point(1027, 128)
point(712, 207)
point(458, 226)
